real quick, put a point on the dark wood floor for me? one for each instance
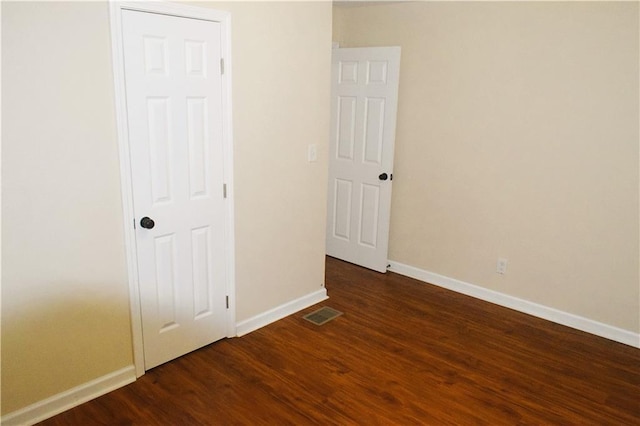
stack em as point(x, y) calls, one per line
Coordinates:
point(402, 353)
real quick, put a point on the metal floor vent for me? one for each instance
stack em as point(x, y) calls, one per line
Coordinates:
point(322, 315)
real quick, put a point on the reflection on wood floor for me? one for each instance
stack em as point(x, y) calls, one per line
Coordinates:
point(402, 353)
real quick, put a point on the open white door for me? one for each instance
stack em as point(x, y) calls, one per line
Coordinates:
point(364, 99)
point(174, 105)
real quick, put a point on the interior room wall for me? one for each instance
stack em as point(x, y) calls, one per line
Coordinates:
point(65, 306)
point(517, 137)
point(281, 84)
point(65, 297)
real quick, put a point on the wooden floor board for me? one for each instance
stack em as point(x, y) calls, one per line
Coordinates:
point(402, 353)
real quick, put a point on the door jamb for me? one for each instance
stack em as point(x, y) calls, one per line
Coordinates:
point(117, 52)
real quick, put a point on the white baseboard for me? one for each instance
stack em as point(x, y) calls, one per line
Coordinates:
point(66, 400)
point(279, 312)
point(531, 308)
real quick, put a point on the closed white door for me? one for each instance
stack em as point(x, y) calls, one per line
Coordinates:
point(174, 100)
point(364, 99)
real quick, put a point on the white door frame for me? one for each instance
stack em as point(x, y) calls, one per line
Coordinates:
point(117, 51)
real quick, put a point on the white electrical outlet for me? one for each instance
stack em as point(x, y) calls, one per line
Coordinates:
point(501, 267)
point(312, 153)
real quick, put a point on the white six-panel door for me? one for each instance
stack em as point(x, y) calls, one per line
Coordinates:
point(364, 98)
point(174, 100)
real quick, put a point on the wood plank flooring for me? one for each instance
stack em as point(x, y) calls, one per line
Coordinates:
point(403, 353)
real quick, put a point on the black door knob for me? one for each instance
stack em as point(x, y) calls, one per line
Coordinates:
point(147, 222)
point(383, 176)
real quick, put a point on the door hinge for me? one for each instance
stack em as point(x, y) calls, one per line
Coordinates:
point(222, 66)
point(227, 300)
point(224, 190)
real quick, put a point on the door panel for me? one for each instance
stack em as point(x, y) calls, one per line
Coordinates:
point(174, 112)
point(363, 117)
point(369, 211)
point(346, 126)
point(197, 137)
point(342, 209)
point(374, 130)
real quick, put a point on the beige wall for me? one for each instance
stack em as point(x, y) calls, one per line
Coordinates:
point(65, 313)
point(281, 84)
point(517, 137)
